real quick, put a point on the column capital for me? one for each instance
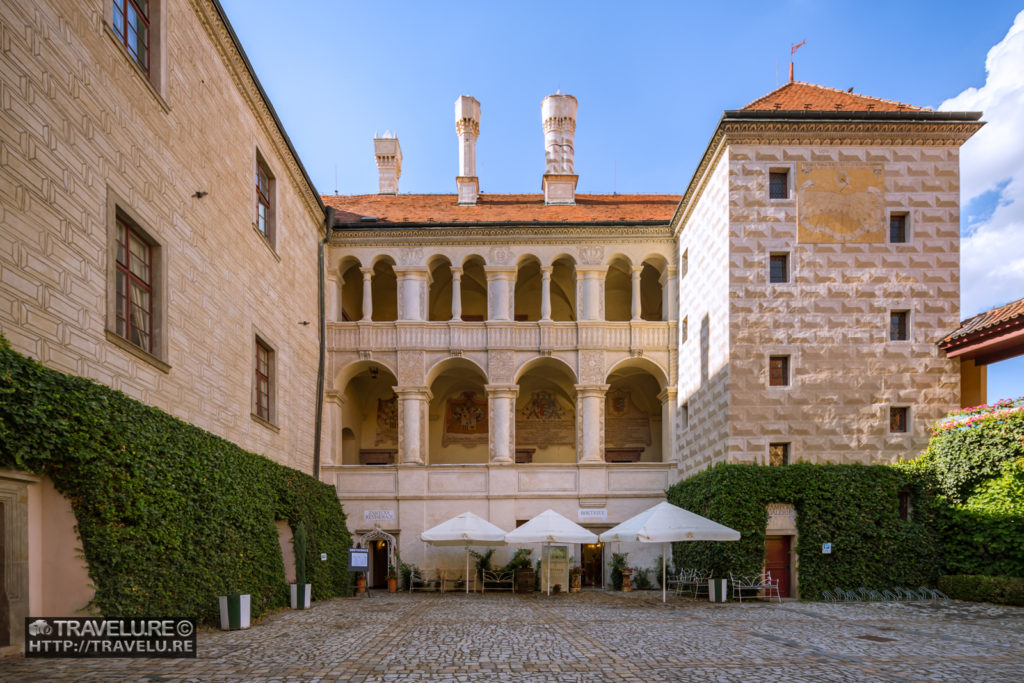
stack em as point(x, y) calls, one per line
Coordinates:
point(500, 272)
point(456, 271)
point(414, 392)
point(589, 390)
point(636, 270)
point(667, 394)
point(366, 271)
point(411, 272)
point(590, 272)
point(545, 271)
point(501, 390)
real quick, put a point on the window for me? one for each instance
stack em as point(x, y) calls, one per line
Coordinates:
point(778, 268)
point(905, 506)
point(898, 419)
point(134, 286)
point(778, 454)
point(131, 25)
point(778, 185)
point(264, 200)
point(898, 228)
point(684, 263)
point(684, 417)
point(899, 325)
point(264, 380)
point(778, 371)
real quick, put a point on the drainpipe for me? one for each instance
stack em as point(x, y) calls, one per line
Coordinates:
point(328, 222)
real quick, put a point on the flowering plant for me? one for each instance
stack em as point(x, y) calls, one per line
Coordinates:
point(975, 415)
point(576, 571)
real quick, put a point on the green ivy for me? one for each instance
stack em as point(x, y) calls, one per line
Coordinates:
point(170, 516)
point(853, 507)
point(1002, 590)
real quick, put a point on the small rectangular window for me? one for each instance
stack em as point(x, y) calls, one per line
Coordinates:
point(905, 507)
point(899, 325)
point(898, 228)
point(134, 286)
point(778, 268)
point(898, 419)
point(264, 366)
point(778, 185)
point(263, 204)
point(778, 454)
point(778, 371)
point(684, 416)
point(684, 263)
point(131, 25)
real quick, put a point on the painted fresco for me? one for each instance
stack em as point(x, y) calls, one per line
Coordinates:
point(387, 421)
point(543, 420)
point(465, 419)
point(625, 424)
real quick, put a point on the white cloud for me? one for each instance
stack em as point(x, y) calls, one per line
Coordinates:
point(992, 253)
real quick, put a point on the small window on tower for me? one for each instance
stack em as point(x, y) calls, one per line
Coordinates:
point(778, 268)
point(897, 228)
point(778, 371)
point(778, 185)
point(899, 325)
point(898, 419)
point(778, 454)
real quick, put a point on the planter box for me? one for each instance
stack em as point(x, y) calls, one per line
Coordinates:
point(524, 581)
point(301, 599)
point(718, 590)
point(234, 611)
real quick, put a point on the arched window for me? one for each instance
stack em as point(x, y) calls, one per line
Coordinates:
point(440, 298)
point(528, 290)
point(563, 289)
point(474, 290)
point(385, 290)
point(351, 291)
point(618, 290)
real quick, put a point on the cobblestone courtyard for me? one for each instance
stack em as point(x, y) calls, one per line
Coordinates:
point(588, 637)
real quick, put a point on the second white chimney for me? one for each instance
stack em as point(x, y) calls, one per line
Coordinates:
point(389, 162)
point(467, 126)
point(558, 114)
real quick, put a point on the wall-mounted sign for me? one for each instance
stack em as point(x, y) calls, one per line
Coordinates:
point(323, 557)
point(826, 548)
point(358, 559)
point(370, 516)
point(593, 515)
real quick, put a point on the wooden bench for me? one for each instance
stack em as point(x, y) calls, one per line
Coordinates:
point(377, 456)
point(622, 454)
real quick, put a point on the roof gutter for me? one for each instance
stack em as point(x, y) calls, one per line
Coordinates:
point(381, 225)
point(840, 115)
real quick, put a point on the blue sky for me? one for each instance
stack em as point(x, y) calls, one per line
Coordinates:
point(652, 79)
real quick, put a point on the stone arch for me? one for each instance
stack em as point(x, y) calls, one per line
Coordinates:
point(384, 289)
point(458, 423)
point(618, 289)
point(634, 412)
point(563, 288)
point(365, 421)
point(528, 289)
point(350, 290)
point(546, 409)
point(474, 289)
point(652, 297)
point(439, 298)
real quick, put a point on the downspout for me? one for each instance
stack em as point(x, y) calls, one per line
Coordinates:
point(328, 222)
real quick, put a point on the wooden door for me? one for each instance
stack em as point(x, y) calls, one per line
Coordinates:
point(776, 561)
point(379, 564)
point(592, 564)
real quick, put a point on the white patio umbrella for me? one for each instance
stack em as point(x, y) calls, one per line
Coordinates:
point(665, 523)
point(550, 527)
point(466, 529)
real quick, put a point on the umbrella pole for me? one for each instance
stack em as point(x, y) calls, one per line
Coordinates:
point(548, 567)
point(663, 578)
point(467, 570)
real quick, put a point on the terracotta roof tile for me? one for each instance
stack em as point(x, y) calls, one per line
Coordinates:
point(797, 95)
point(443, 209)
point(1009, 314)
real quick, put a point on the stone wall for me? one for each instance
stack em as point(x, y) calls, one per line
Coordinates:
point(832, 317)
point(84, 134)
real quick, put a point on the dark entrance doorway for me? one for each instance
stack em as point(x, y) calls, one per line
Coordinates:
point(592, 563)
point(378, 564)
point(776, 561)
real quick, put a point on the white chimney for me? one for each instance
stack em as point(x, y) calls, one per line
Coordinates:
point(558, 113)
point(389, 162)
point(467, 126)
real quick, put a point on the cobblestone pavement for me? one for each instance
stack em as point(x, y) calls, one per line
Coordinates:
point(587, 637)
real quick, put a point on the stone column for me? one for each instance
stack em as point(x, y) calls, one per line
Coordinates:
point(590, 402)
point(635, 303)
point(500, 290)
point(367, 293)
point(501, 402)
point(545, 292)
point(669, 282)
point(668, 424)
point(333, 405)
point(456, 293)
point(413, 403)
point(412, 283)
point(591, 291)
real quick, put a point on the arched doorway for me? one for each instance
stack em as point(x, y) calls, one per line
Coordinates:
point(369, 417)
point(382, 547)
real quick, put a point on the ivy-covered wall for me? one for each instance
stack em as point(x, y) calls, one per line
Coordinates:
point(854, 507)
point(170, 516)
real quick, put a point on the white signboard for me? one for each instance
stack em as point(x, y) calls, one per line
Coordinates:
point(323, 557)
point(826, 548)
point(370, 516)
point(593, 515)
point(358, 559)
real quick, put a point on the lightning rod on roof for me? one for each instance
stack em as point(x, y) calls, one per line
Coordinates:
point(793, 47)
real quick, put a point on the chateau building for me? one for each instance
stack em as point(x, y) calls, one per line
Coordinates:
point(158, 234)
point(505, 354)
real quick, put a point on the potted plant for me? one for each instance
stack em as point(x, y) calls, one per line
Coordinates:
point(557, 588)
point(301, 592)
point(392, 580)
point(520, 564)
point(576, 579)
point(618, 566)
point(234, 611)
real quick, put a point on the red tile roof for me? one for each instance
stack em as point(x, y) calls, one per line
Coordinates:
point(797, 95)
point(983, 324)
point(500, 208)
